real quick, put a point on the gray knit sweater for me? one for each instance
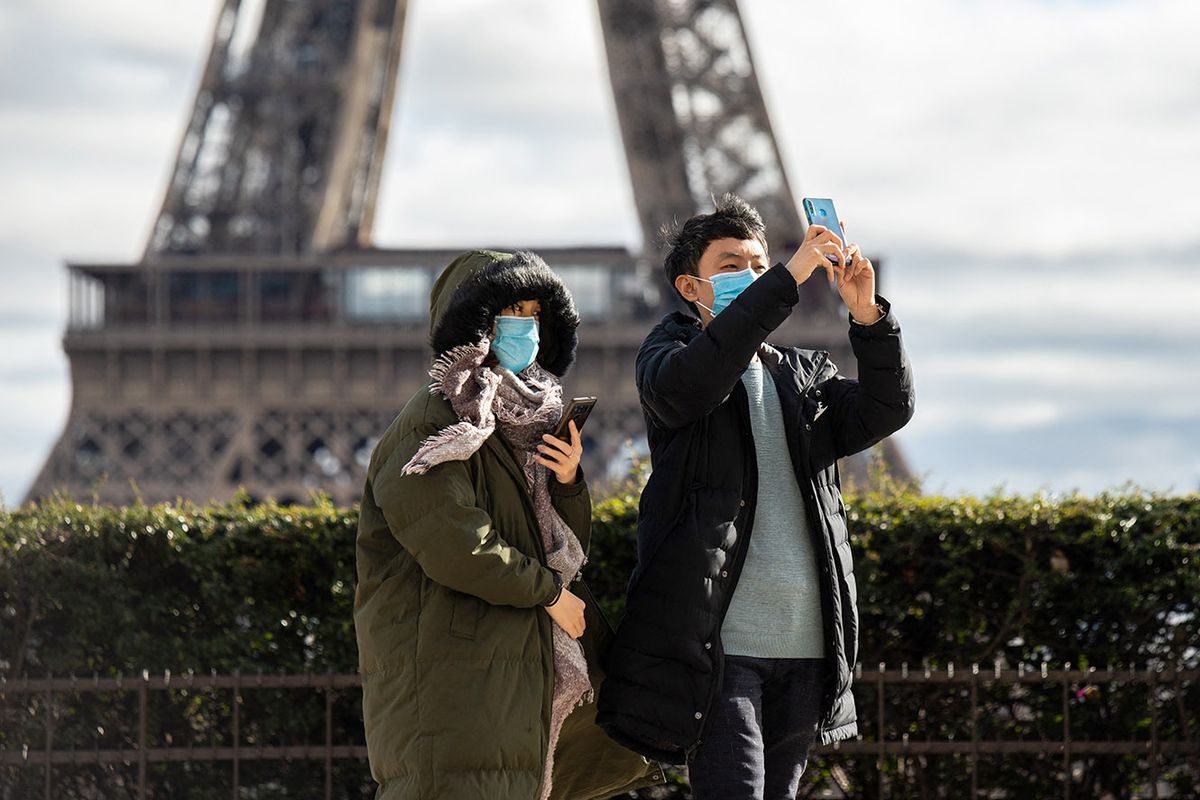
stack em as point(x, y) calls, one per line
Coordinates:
point(776, 608)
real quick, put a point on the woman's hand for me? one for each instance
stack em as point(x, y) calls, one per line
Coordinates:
point(567, 611)
point(819, 242)
point(560, 457)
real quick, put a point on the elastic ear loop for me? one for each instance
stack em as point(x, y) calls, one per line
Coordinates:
point(697, 302)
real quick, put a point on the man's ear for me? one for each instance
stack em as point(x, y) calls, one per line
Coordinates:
point(686, 288)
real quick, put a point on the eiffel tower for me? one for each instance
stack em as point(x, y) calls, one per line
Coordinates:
point(262, 341)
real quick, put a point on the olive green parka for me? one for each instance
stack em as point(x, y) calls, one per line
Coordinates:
point(454, 644)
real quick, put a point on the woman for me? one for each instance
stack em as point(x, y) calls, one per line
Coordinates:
point(478, 645)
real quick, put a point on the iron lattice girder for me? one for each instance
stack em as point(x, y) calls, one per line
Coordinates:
point(692, 113)
point(286, 140)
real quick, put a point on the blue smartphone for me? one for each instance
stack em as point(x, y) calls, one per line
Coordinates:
point(820, 211)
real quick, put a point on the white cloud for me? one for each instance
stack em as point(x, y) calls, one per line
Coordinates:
point(508, 196)
point(996, 125)
point(1048, 367)
point(34, 403)
point(946, 413)
point(89, 199)
point(504, 133)
point(172, 29)
point(94, 101)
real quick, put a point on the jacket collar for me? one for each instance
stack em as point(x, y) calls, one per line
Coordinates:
point(681, 326)
point(798, 364)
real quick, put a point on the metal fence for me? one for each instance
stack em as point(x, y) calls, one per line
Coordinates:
point(1153, 747)
point(51, 754)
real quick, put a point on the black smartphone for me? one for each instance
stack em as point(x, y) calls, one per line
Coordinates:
point(578, 409)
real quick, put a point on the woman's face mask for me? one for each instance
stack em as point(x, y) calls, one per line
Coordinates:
point(516, 342)
point(726, 286)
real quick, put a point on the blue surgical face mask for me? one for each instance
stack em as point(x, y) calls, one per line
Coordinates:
point(516, 342)
point(726, 286)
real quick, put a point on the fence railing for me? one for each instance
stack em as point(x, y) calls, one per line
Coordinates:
point(49, 754)
point(974, 677)
point(47, 757)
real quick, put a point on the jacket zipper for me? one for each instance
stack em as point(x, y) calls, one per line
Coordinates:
point(744, 546)
point(810, 508)
point(735, 572)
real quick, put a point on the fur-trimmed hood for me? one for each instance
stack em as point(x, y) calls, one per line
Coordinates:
point(479, 284)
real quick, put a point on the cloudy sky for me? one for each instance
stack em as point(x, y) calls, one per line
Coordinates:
point(1030, 170)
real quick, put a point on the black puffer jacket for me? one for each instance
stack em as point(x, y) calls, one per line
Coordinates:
point(697, 511)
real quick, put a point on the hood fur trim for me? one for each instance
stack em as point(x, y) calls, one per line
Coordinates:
point(490, 289)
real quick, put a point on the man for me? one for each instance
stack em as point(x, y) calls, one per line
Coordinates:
point(741, 632)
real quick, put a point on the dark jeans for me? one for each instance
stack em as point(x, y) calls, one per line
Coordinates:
point(763, 722)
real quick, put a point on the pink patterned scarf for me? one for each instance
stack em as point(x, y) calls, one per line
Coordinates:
point(523, 407)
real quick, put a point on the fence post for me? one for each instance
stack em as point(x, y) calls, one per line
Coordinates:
point(49, 740)
point(329, 737)
point(143, 696)
point(237, 734)
point(1185, 726)
point(974, 731)
point(1153, 676)
point(881, 743)
point(1066, 743)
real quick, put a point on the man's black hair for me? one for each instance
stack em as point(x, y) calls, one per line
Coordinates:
point(731, 218)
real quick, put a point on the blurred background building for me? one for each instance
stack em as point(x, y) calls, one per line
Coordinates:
point(263, 341)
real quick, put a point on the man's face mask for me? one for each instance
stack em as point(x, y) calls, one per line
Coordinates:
point(726, 286)
point(516, 342)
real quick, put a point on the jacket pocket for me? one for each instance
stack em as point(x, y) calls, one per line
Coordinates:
point(650, 538)
point(464, 616)
point(598, 635)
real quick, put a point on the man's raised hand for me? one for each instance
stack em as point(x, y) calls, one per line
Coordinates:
point(819, 242)
point(856, 285)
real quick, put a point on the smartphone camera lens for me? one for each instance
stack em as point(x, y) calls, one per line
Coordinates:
point(822, 212)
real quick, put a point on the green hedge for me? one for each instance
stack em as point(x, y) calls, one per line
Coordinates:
point(1112, 579)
